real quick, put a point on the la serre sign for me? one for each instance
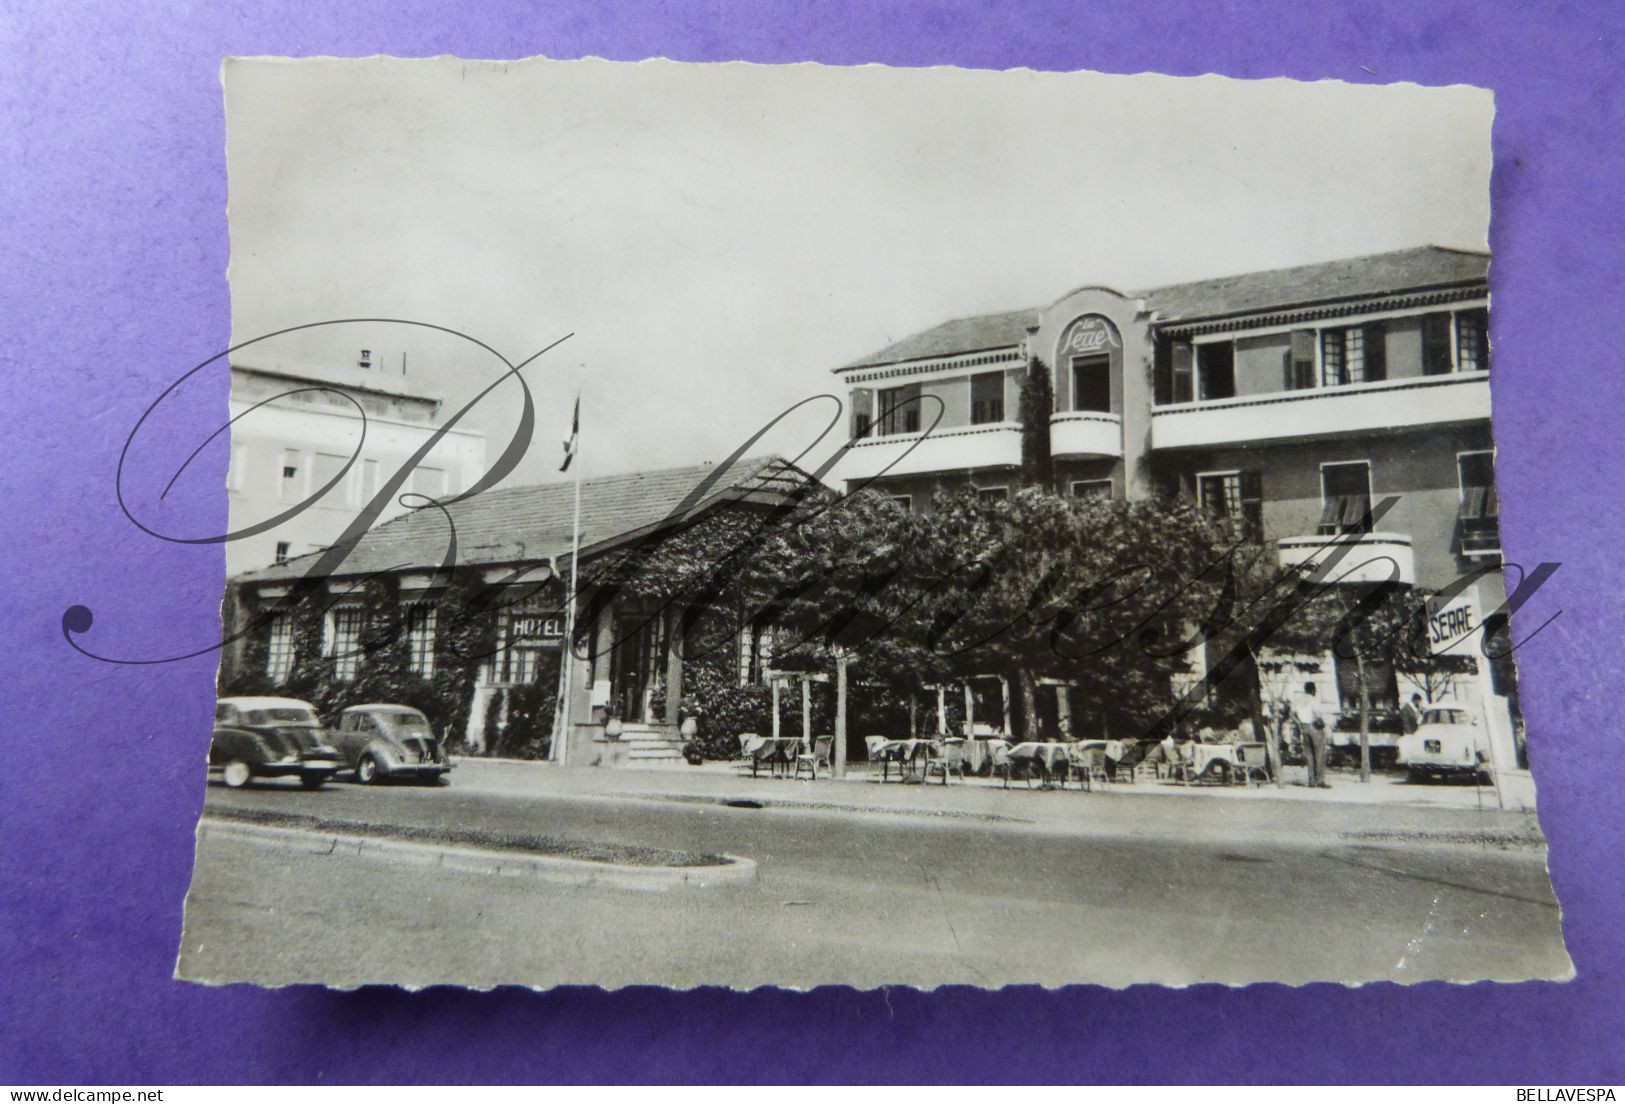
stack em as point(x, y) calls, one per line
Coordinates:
point(1092, 334)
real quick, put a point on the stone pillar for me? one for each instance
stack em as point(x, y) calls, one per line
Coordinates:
point(1063, 710)
point(942, 711)
point(970, 709)
point(1004, 689)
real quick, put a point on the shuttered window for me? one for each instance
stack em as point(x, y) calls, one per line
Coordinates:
point(986, 398)
point(1345, 498)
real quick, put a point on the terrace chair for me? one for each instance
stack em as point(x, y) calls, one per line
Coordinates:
point(1082, 764)
point(747, 740)
point(873, 744)
point(1252, 760)
point(945, 757)
point(1126, 768)
point(770, 752)
point(1001, 761)
point(819, 754)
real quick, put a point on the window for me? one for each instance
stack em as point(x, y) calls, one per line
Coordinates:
point(1357, 354)
point(986, 398)
point(420, 623)
point(1480, 505)
point(1345, 491)
point(1472, 340)
point(905, 501)
point(1216, 364)
point(900, 410)
point(344, 641)
point(1436, 359)
point(1381, 684)
point(993, 494)
point(1300, 361)
point(239, 467)
point(1091, 488)
point(290, 486)
point(862, 412)
point(1091, 383)
point(282, 550)
point(1333, 366)
point(324, 468)
point(755, 654)
point(370, 481)
point(1182, 373)
point(279, 649)
point(1236, 496)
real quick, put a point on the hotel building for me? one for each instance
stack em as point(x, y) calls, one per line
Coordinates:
point(1289, 401)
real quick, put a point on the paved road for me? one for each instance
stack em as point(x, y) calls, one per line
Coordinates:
point(897, 887)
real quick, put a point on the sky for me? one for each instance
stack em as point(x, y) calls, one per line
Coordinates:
point(717, 238)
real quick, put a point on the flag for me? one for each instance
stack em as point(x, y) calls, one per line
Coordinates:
point(575, 436)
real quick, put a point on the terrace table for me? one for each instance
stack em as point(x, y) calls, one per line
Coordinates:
point(905, 753)
point(1203, 756)
point(771, 750)
point(1044, 753)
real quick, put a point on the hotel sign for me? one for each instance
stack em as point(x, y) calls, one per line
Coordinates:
point(1093, 334)
point(1453, 626)
point(535, 626)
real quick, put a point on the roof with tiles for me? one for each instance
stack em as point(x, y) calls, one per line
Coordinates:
point(1353, 278)
point(511, 525)
point(1380, 274)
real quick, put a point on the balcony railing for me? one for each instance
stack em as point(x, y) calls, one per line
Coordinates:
point(1372, 558)
point(964, 448)
point(1085, 433)
point(1323, 411)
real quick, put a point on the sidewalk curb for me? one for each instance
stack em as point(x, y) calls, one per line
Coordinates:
point(478, 860)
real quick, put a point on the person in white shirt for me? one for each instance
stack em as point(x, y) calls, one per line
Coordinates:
point(1315, 737)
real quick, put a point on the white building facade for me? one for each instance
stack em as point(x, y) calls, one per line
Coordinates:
point(297, 428)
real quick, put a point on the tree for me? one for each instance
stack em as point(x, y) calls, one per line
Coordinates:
point(1091, 591)
point(1037, 404)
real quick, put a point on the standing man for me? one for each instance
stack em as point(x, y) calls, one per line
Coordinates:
point(1313, 729)
point(1410, 715)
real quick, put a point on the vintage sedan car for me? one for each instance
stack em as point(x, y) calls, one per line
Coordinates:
point(270, 738)
point(390, 741)
point(1448, 743)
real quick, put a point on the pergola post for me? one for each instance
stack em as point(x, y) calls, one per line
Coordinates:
point(970, 710)
point(1063, 710)
point(1004, 690)
point(942, 711)
point(840, 715)
point(776, 687)
point(806, 713)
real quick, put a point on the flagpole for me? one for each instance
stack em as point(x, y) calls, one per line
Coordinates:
point(561, 739)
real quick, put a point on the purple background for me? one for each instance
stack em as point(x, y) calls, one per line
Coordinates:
point(115, 257)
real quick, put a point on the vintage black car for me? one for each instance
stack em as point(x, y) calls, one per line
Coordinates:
point(390, 741)
point(270, 738)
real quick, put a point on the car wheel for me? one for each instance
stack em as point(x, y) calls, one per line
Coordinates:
point(236, 774)
point(366, 771)
point(312, 781)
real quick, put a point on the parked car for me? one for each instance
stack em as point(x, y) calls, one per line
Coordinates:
point(1448, 743)
point(390, 741)
point(270, 738)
